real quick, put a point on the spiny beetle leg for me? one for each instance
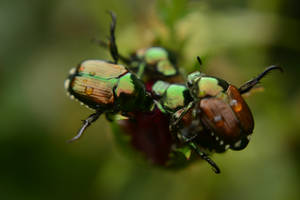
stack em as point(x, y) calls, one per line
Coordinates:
point(112, 39)
point(86, 123)
point(178, 115)
point(105, 45)
point(189, 138)
point(205, 157)
point(111, 44)
point(246, 87)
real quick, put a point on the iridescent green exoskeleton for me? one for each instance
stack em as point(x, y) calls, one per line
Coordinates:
point(153, 63)
point(107, 87)
point(208, 113)
point(172, 97)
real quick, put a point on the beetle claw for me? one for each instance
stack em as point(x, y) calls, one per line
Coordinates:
point(205, 157)
point(246, 87)
point(86, 123)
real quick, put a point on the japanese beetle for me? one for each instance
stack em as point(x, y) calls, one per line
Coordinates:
point(217, 117)
point(203, 116)
point(107, 87)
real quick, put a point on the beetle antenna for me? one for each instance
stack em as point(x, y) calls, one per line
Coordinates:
point(105, 45)
point(205, 157)
point(112, 39)
point(246, 87)
point(199, 60)
point(86, 123)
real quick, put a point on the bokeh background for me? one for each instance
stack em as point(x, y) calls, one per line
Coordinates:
point(41, 40)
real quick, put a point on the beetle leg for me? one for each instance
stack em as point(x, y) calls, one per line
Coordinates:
point(111, 44)
point(141, 70)
point(246, 87)
point(189, 138)
point(104, 44)
point(112, 39)
point(205, 157)
point(177, 116)
point(159, 106)
point(86, 123)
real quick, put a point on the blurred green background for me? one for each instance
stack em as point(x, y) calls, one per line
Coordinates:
point(41, 40)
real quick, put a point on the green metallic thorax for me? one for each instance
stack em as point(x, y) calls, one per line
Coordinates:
point(155, 54)
point(131, 94)
point(172, 97)
point(153, 63)
point(202, 86)
point(208, 86)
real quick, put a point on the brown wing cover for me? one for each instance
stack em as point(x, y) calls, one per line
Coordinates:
point(102, 69)
point(241, 109)
point(99, 91)
point(218, 116)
